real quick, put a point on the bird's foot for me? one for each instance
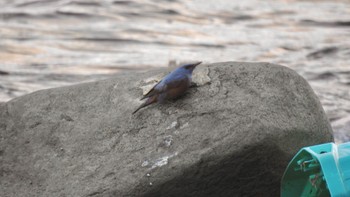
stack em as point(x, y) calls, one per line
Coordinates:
point(193, 85)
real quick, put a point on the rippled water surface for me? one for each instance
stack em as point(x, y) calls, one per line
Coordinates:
point(51, 43)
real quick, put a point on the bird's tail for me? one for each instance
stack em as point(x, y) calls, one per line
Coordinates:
point(149, 101)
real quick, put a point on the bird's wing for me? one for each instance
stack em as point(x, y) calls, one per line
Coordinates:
point(166, 84)
point(152, 91)
point(175, 83)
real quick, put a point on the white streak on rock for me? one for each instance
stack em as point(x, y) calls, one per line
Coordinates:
point(145, 163)
point(184, 126)
point(173, 125)
point(162, 161)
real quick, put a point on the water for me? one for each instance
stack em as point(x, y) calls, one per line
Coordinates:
point(51, 43)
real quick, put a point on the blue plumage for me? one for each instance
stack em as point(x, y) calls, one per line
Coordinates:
point(171, 86)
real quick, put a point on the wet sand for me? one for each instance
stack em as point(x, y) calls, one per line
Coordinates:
point(52, 43)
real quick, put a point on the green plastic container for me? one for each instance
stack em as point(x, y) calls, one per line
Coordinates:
point(321, 170)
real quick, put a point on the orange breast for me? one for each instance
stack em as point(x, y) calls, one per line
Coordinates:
point(175, 92)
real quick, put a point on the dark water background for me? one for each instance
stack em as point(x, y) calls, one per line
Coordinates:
point(51, 43)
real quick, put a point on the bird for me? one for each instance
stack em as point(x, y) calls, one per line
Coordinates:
point(171, 87)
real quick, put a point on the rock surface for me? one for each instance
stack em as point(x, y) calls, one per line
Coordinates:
point(233, 135)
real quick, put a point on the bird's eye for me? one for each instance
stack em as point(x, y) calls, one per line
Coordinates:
point(188, 66)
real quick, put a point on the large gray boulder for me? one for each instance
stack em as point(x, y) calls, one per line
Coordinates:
point(233, 135)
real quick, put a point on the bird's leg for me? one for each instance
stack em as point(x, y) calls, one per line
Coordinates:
point(193, 85)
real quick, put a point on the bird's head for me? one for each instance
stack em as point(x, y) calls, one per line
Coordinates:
point(191, 67)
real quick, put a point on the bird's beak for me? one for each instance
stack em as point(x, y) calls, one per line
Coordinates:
point(196, 64)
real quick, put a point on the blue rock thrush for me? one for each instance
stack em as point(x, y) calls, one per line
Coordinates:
point(172, 86)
